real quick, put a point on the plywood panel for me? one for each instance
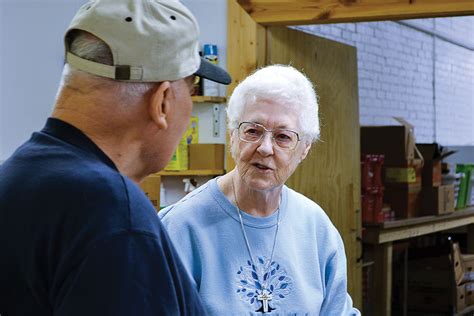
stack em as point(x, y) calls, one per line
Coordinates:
point(330, 175)
point(243, 34)
point(297, 12)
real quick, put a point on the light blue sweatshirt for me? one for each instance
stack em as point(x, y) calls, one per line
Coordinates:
point(307, 275)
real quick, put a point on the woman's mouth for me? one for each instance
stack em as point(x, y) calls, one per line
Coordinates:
point(261, 167)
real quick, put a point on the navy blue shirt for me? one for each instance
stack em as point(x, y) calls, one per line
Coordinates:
point(79, 238)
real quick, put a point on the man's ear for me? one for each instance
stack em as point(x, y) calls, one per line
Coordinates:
point(159, 106)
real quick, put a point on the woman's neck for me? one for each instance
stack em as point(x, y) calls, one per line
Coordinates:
point(259, 203)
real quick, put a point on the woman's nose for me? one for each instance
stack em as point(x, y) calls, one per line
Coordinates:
point(265, 147)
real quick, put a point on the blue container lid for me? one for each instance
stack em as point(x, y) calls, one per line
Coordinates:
point(210, 49)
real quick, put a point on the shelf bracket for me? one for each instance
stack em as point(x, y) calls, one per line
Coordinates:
point(216, 120)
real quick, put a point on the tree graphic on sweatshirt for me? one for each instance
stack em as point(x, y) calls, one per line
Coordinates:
point(265, 278)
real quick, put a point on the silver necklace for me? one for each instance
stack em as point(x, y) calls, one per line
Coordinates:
point(264, 296)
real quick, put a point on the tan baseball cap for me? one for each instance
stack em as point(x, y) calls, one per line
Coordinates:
point(150, 41)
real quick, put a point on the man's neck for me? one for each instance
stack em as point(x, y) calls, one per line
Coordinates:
point(118, 144)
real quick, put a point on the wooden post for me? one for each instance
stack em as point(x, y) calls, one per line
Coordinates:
point(382, 300)
point(243, 38)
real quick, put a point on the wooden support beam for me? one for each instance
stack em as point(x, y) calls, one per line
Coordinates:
point(382, 280)
point(298, 12)
point(244, 50)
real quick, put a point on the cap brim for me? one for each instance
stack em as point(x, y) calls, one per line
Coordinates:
point(212, 72)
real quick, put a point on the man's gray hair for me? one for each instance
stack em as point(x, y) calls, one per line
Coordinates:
point(85, 45)
point(281, 83)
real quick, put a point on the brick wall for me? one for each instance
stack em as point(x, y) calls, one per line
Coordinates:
point(404, 70)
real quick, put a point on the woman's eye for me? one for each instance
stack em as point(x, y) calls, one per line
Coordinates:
point(251, 131)
point(283, 137)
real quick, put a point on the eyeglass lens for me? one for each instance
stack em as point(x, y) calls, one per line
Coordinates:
point(252, 132)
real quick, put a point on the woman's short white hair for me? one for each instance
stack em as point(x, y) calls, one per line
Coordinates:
point(282, 83)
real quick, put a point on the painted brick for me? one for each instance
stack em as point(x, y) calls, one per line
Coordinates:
point(409, 73)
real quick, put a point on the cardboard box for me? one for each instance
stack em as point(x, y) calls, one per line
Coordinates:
point(449, 200)
point(151, 186)
point(458, 264)
point(431, 286)
point(206, 156)
point(468, 268)
point(397, 143)
point(405, 201)
point(469, 294)
point(433, 155)
point(180, 159)
point(460, 298)
point(437, 200)
point(402, 173)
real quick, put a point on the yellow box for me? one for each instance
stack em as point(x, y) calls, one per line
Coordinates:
point(192, 132)
point(151, 187)
point(206, 156)
point(179, 160)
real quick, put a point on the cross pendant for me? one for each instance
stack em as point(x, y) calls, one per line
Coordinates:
point(264, 297)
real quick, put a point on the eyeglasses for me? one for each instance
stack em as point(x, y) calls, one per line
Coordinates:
point(253, 133)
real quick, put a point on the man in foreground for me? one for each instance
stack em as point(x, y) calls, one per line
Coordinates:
point(77, 235)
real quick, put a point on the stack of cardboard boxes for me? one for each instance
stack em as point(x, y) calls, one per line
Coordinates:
point(436, 199)
point(439, 284)
point(402, 167)
point(464, 277)
point(411, 173)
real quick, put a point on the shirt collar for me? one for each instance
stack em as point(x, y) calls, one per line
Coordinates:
point(74, 136)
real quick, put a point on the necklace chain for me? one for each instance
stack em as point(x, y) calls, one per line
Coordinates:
point(239, 212)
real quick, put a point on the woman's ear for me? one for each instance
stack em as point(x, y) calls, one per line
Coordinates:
point(159, 106)
point(305, 151)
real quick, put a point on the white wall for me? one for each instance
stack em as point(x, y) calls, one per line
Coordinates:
point(31, 60)
point(405, 71)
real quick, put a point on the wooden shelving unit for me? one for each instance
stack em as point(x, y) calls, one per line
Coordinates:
point(418, 226)
point(186, 173)
point(208, 99)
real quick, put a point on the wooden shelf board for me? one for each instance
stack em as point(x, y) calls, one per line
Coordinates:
point(184, 173)
point(208, 99)
point(409, 228)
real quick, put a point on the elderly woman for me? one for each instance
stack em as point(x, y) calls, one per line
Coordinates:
point(251, 244)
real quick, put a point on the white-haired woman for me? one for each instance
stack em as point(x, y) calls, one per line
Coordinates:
point(251, 244)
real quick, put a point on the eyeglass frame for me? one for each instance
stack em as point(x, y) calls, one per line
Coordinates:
point(298, 139)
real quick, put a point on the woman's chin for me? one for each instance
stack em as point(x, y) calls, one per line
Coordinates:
point(260, 183)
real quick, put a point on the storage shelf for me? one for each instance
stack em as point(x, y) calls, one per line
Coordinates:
point(208, 99)
point(185, 173)
point(414, 227)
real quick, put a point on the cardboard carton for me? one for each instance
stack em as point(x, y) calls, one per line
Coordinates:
point(458, 264)
point(437, 200)
point(431, 286)
point(403, 173)
point(206, 156)
point(469, 294)
point(397, 143)
point(433, 154)
point(151, 187)
point(468, 268)
point(405, 201)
